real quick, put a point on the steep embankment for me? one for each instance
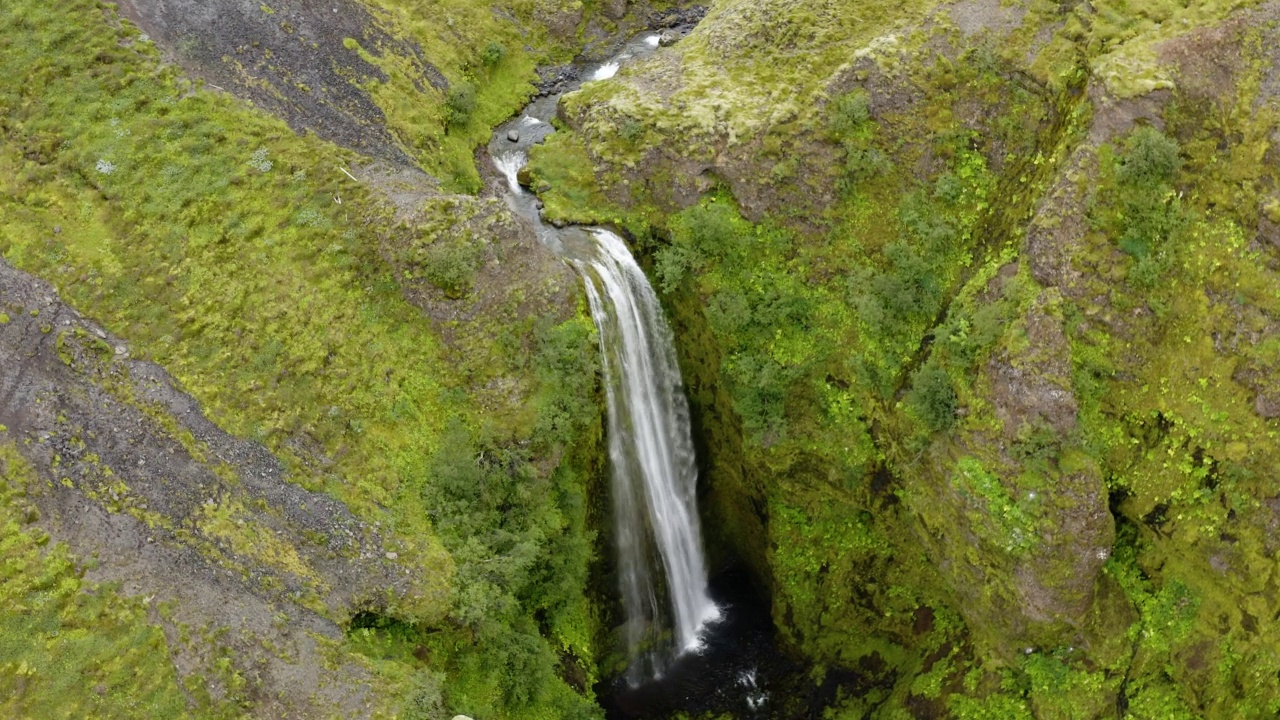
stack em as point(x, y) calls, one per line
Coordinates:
point(978, 306)
point(325, 447)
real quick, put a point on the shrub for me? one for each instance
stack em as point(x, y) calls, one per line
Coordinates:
point(631, 129)
point(849, 122)
point(1150, 159)
point(460, 104)
point(672, 263)
point(451, 266)
point(426, 700)
point(710, 227)
point(862, 164)
point(849, 113)
point(493, 53)
point(1149, 216)
point(932, 399)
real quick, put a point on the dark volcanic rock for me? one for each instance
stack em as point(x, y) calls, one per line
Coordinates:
point(290, 61)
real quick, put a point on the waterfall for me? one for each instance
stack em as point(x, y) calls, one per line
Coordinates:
point(606, 71)
point(509, 165)
point(653, 463)
point(661, 571)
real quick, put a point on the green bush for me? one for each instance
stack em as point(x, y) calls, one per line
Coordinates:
point(631, 129)
point(849, 113)
point(426, 700)
point(862, 164)
point(849, 123)
point(493, 54)
point(460, 104)
point(1142, 210)
point(1150, 159)
point(672, 263)
point(932, 398)
point(451, 266)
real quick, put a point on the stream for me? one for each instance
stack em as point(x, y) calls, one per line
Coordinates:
point(694, 645)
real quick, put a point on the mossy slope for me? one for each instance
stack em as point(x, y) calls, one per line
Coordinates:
point(377, 350)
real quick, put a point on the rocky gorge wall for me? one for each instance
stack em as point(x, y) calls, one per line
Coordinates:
point(977, 305)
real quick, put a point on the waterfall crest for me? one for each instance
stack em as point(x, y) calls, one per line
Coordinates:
point(653, 463)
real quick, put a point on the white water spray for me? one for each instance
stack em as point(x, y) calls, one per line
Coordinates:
point(606, 71)
point(653, 462)
point(509, 165)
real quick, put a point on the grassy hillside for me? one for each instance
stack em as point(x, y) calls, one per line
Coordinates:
point(249, 262)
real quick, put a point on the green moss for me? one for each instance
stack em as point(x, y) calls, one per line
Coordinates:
point(1123, 40)
point(486, 55)
point(565, 177)
point(241, 258)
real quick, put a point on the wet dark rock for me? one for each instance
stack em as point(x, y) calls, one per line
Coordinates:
point(682, 18)
point(557, 79)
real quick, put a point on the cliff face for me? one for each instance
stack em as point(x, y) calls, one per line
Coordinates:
point(978, 306)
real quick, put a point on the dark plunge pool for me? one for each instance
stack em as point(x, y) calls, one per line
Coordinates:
point(740, 673)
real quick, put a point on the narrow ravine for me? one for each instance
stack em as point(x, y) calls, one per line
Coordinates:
point(695, 644)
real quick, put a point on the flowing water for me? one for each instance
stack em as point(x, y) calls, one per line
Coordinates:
point(661, 571)
point(688, 651)
point(652, 460)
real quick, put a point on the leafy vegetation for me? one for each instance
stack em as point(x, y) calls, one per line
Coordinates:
point(932, 398)
point(917, 232)
point(852, 127)
point(1015, 300)
point(1143, 211)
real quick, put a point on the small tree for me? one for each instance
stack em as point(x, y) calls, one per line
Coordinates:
point(932, 398)
point(460, 104)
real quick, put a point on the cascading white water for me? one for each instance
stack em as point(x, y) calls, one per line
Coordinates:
point(661, 569)
point(608, 70)
point(653, 463)
point(509, 165)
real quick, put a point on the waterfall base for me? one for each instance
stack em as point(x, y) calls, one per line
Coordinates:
point(740, 671)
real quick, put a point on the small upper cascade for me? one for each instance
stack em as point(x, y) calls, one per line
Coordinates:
point(509, 165)
point(606, 71)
